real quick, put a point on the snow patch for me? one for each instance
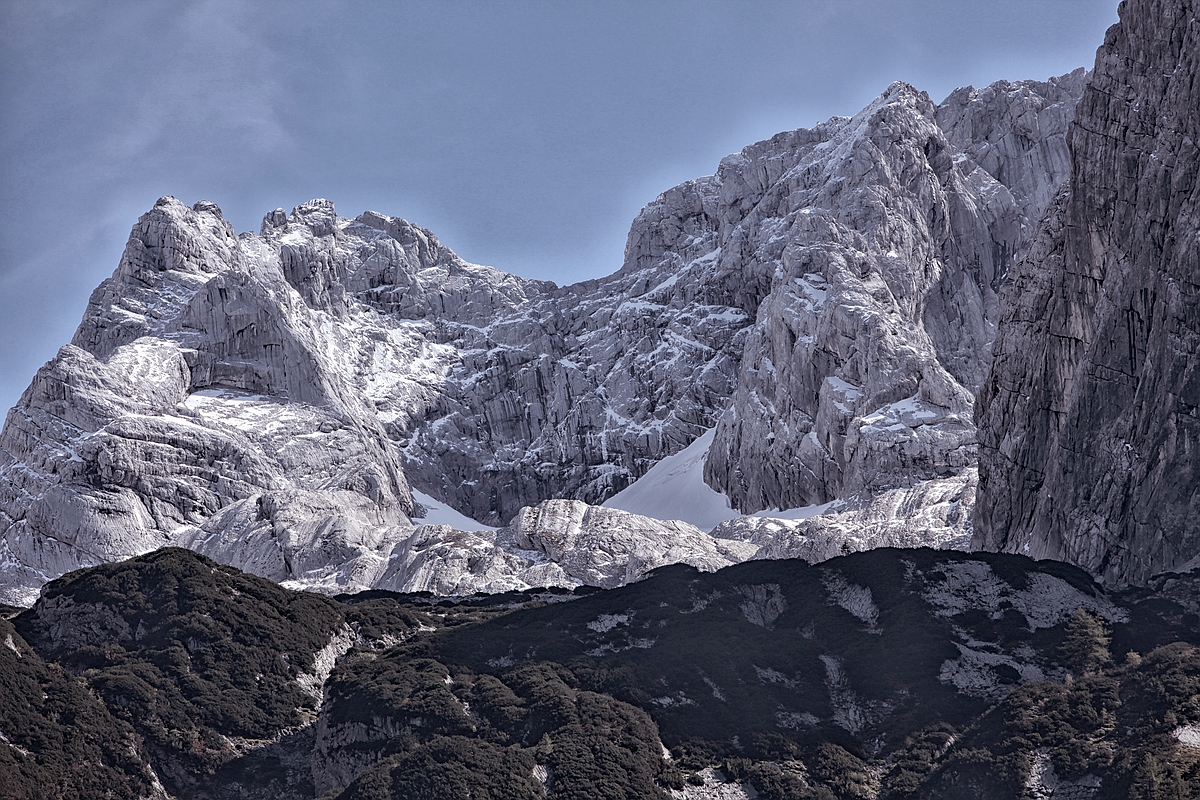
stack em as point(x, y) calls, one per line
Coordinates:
point(845, 391)
point(1188, 736)
point(674, 489)
point(435, 512)
point(911, 412)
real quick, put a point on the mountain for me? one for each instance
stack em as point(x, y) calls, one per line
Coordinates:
point(823, 305)
point(1089, 429)
point(891, 673)
point(788, 361)
point(874, 256)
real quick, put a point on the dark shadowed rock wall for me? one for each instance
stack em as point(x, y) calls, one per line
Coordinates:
point(1089, 428)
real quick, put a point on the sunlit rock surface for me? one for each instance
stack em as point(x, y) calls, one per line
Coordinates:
point(876, 245)
point(825, 301)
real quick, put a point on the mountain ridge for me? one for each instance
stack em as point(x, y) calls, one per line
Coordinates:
point(269, 398)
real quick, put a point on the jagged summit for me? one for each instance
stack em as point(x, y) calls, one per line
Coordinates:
point(825, 301)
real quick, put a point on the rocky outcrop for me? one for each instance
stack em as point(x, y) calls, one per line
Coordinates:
point(200, 378)
point(878, 243)
point(934, 513)
point(447, 561)
point(568, 543)
point(608, 547)
point(1090, 434)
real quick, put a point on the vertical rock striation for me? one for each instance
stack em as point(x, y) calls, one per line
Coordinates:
point(1016, 132)
point(1089, 420)
point(877, 244)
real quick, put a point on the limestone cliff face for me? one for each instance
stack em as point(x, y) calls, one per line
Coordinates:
point(200, 378)
point(1016, 132)
point(877, 244)
point(575, 392)
point(1090, 433)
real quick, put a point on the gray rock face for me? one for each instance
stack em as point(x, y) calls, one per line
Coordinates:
point(442, 560)
point(878, 243)
point(576, 392)
point(1015, 132)
point(1090, 429)
point(199, 379)
point(934, 513)
point(609, 547)
point(266, 398)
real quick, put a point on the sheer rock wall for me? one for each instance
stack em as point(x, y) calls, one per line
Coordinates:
point(1090, 433)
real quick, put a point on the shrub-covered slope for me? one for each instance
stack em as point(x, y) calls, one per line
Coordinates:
point(886, 674)
point(201, 659)
point(57, 739)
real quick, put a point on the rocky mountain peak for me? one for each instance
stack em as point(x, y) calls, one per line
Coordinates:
point(885, 249)
point(1002, 128)
point(825, 302)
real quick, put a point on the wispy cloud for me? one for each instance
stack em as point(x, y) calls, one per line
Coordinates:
point(214, 86)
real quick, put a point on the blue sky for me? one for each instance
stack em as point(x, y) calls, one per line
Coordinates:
point(524, 134)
